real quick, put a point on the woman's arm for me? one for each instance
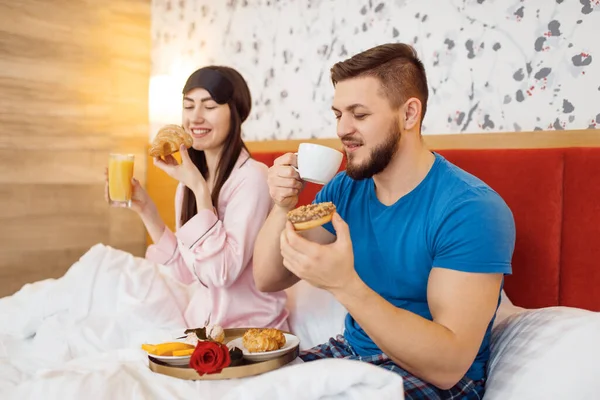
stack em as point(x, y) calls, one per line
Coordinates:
point(221, 248)
point(153, 223)
point(165, 251)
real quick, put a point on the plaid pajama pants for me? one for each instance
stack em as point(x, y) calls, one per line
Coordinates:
point(414, 388)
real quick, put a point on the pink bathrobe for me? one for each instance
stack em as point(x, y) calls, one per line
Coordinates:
point(216, 252)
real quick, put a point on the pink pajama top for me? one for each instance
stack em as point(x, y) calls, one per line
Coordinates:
point(215, 254)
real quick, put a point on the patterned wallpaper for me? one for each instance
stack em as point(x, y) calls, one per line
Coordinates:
point(492, 65)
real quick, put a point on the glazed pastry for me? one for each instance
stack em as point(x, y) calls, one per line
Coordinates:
point(168, 140)
point(311, 215)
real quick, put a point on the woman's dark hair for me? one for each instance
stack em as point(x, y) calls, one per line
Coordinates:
point(240, 105)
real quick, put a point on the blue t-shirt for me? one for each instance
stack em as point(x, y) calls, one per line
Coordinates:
point(450, 220)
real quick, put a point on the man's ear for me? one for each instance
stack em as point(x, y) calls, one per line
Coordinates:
point(412, 113)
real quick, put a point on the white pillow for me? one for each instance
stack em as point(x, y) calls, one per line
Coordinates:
point(505, 309)
point(315, 315)
point(550, 353)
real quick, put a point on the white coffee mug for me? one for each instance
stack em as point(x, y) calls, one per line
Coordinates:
point(318, 164)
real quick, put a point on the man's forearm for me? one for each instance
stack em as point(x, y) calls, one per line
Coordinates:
point(424, 348)
point(269, 273)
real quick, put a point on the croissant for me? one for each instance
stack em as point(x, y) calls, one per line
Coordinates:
point(249, 336)
point(274, 334)
point(168, 140)
point(260, 340)
point(260, 344)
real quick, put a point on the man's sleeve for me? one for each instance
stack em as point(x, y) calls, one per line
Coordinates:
point(477, 234)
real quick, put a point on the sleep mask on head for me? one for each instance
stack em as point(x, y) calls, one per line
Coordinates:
point(215, 83)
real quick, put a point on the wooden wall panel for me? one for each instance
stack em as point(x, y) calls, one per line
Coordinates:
point(39, 200)
point(74, 78)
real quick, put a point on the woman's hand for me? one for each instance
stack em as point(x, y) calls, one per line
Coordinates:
point(141, 202)
point(143, 205)
point(186, 172)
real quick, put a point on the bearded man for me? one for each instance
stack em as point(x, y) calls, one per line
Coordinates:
point(418, 248)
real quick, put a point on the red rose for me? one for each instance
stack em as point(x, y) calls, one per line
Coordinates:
point(210, 357)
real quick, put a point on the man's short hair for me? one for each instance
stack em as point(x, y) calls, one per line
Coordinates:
point(396, 66)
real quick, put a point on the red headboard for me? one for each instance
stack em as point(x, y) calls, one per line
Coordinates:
point(554, 195)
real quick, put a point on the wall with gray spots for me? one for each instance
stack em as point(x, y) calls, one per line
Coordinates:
point(503, 65)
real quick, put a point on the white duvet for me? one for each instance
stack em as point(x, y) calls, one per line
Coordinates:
point(79, 337)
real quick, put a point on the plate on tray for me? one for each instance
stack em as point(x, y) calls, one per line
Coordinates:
point(172, 360)
point(291, 342)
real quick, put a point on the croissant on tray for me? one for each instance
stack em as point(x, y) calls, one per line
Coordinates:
point(168, 140)
point(274, 334)
point(260, 340)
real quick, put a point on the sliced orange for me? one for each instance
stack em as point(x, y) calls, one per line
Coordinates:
point(166, 349)
point(186, 352)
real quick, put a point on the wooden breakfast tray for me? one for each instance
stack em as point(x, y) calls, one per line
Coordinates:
point(242, 370)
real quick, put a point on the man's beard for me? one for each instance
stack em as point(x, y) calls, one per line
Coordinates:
point(380, 156)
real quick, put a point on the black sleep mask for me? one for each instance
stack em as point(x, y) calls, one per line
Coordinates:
point(215, 83)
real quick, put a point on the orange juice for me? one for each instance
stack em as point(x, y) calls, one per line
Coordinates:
point(120, 173)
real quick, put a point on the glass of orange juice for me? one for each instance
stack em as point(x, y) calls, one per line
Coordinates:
point(120, 173)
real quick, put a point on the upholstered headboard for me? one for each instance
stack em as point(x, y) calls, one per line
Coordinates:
point(554, 195)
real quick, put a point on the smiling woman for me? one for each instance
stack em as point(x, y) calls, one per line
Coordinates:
point(221, 201)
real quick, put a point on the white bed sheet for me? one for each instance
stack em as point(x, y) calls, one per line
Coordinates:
point(79, 337)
